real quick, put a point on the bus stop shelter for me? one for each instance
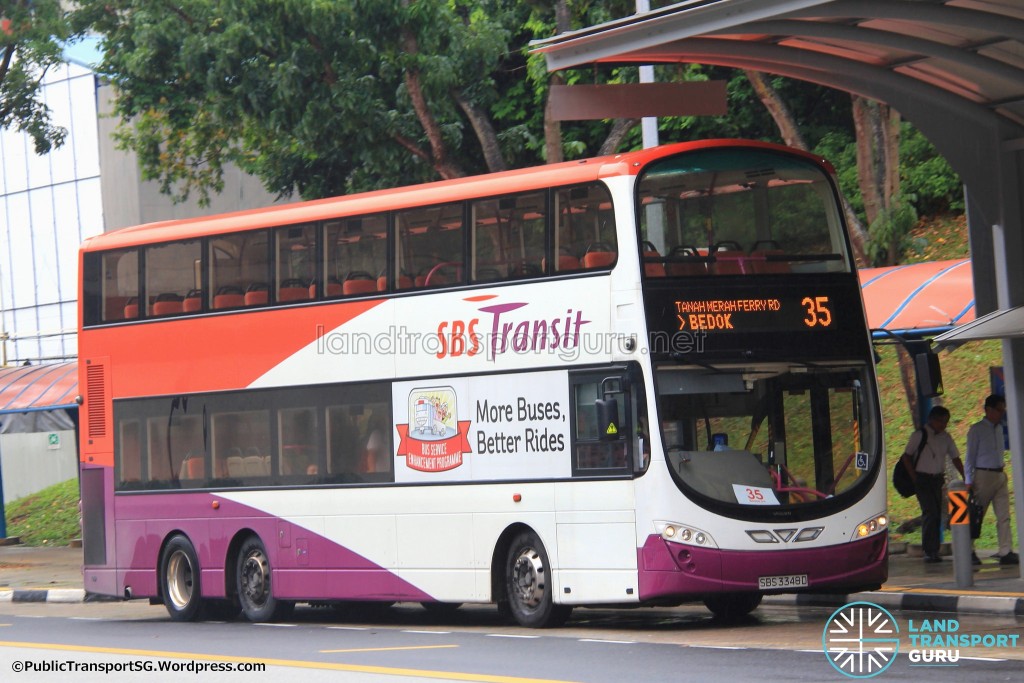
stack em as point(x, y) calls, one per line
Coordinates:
point(955, 68)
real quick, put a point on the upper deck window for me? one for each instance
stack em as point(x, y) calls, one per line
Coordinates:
point(239, 270)
point(429, 248)
point(585, 232)
point(173, 277)
point(111, 283)
point(728, 211)
point(508, 237)
point(356, 254)
point(296, 263)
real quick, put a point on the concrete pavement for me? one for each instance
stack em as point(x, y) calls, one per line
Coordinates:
point(54, 574)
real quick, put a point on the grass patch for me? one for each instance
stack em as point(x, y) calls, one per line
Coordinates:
point(48, 517)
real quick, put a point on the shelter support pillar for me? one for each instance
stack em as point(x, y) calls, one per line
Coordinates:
point(1008, 252)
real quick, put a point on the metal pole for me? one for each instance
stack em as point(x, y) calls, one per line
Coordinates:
point(960, 531)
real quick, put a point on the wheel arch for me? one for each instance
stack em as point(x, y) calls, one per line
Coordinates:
point(159, 563)
point(231, 560)
point(499, 555)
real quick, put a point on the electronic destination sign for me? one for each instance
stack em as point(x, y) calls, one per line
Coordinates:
point(819, 318)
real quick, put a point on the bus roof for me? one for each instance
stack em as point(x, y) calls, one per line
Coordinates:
point(440, 192)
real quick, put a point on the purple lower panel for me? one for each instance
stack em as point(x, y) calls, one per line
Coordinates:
point(306, 566)
point(674, 570)
point(353, 584)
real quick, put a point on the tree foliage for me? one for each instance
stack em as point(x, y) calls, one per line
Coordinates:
point(324, 97)
point(32, 35)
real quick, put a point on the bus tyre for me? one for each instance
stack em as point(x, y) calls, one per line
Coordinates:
point(528, 586)
point(255, 594)
point(732, 606)
point(179, 580)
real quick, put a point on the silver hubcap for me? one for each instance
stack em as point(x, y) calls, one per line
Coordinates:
point(255, 578)
point(528, 578)
point(179, 579)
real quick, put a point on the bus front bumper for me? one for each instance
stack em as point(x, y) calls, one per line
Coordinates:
point(673, 570)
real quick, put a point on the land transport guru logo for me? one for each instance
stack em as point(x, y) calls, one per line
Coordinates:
point(861, 640)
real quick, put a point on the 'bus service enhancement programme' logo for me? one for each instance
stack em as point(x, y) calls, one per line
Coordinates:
point(861, 639)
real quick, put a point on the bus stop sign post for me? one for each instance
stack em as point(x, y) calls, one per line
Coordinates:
point(960, 531)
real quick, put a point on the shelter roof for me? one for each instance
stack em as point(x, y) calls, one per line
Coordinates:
point(28, 388)
point(920, 299)
point(962, 55)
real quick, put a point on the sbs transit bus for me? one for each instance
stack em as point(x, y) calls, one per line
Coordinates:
point(641, 379)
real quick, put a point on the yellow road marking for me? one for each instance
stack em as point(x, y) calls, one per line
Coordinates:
point(386, 649)
point(952, 591)
point(297, 663)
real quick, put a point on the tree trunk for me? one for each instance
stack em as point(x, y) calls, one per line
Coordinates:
point(616, 135)
point(909, 379)
point(790, 132)
point(438, 150)
point(865, 126)
point(777, 108)
point(484, 133)
point(878, 164)
point(552, 128)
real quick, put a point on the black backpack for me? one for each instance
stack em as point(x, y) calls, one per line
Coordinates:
point(901, 479)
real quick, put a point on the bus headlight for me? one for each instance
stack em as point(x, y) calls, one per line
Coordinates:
point(684, 534)
point(872, 526)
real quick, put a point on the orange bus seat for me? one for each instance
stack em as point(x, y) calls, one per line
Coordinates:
point(599, 255)
point(293, 289)
point(193, 301)
point(228, 297)
point(167, 307)
point(728, 259)
point(359, 283)
point(192, 467)
point(113, 308)
point(131, 309)
point(256, 294)
point(694, 265)
point(727, 262)
point(759, 258)
point(566, 261)
point(654, 265)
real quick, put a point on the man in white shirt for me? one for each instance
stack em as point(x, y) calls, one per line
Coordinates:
point(929, 474)
point(984, 472)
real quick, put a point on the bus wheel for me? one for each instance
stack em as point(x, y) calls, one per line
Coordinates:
point(179, 572)
point(528, 586)
point(732, 606)
point(254, 590)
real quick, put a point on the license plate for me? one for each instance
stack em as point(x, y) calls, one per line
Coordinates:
point(787, 581)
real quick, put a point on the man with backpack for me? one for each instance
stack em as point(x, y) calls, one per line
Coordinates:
point(925, 460)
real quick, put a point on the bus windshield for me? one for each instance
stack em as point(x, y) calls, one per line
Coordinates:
point(739, 211)
point(768, 436)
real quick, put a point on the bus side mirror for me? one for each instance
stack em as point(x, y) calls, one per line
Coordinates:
point(608, 418)
point(929, 374)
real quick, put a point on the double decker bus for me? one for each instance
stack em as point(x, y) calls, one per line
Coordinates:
point(641, 379)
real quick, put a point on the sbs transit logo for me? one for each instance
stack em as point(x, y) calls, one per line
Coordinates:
point(861, 640)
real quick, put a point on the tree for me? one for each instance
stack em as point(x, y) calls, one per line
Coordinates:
point(325, 98)
point(32, 35)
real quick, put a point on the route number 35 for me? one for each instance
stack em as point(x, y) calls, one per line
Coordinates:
point(818, 312)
